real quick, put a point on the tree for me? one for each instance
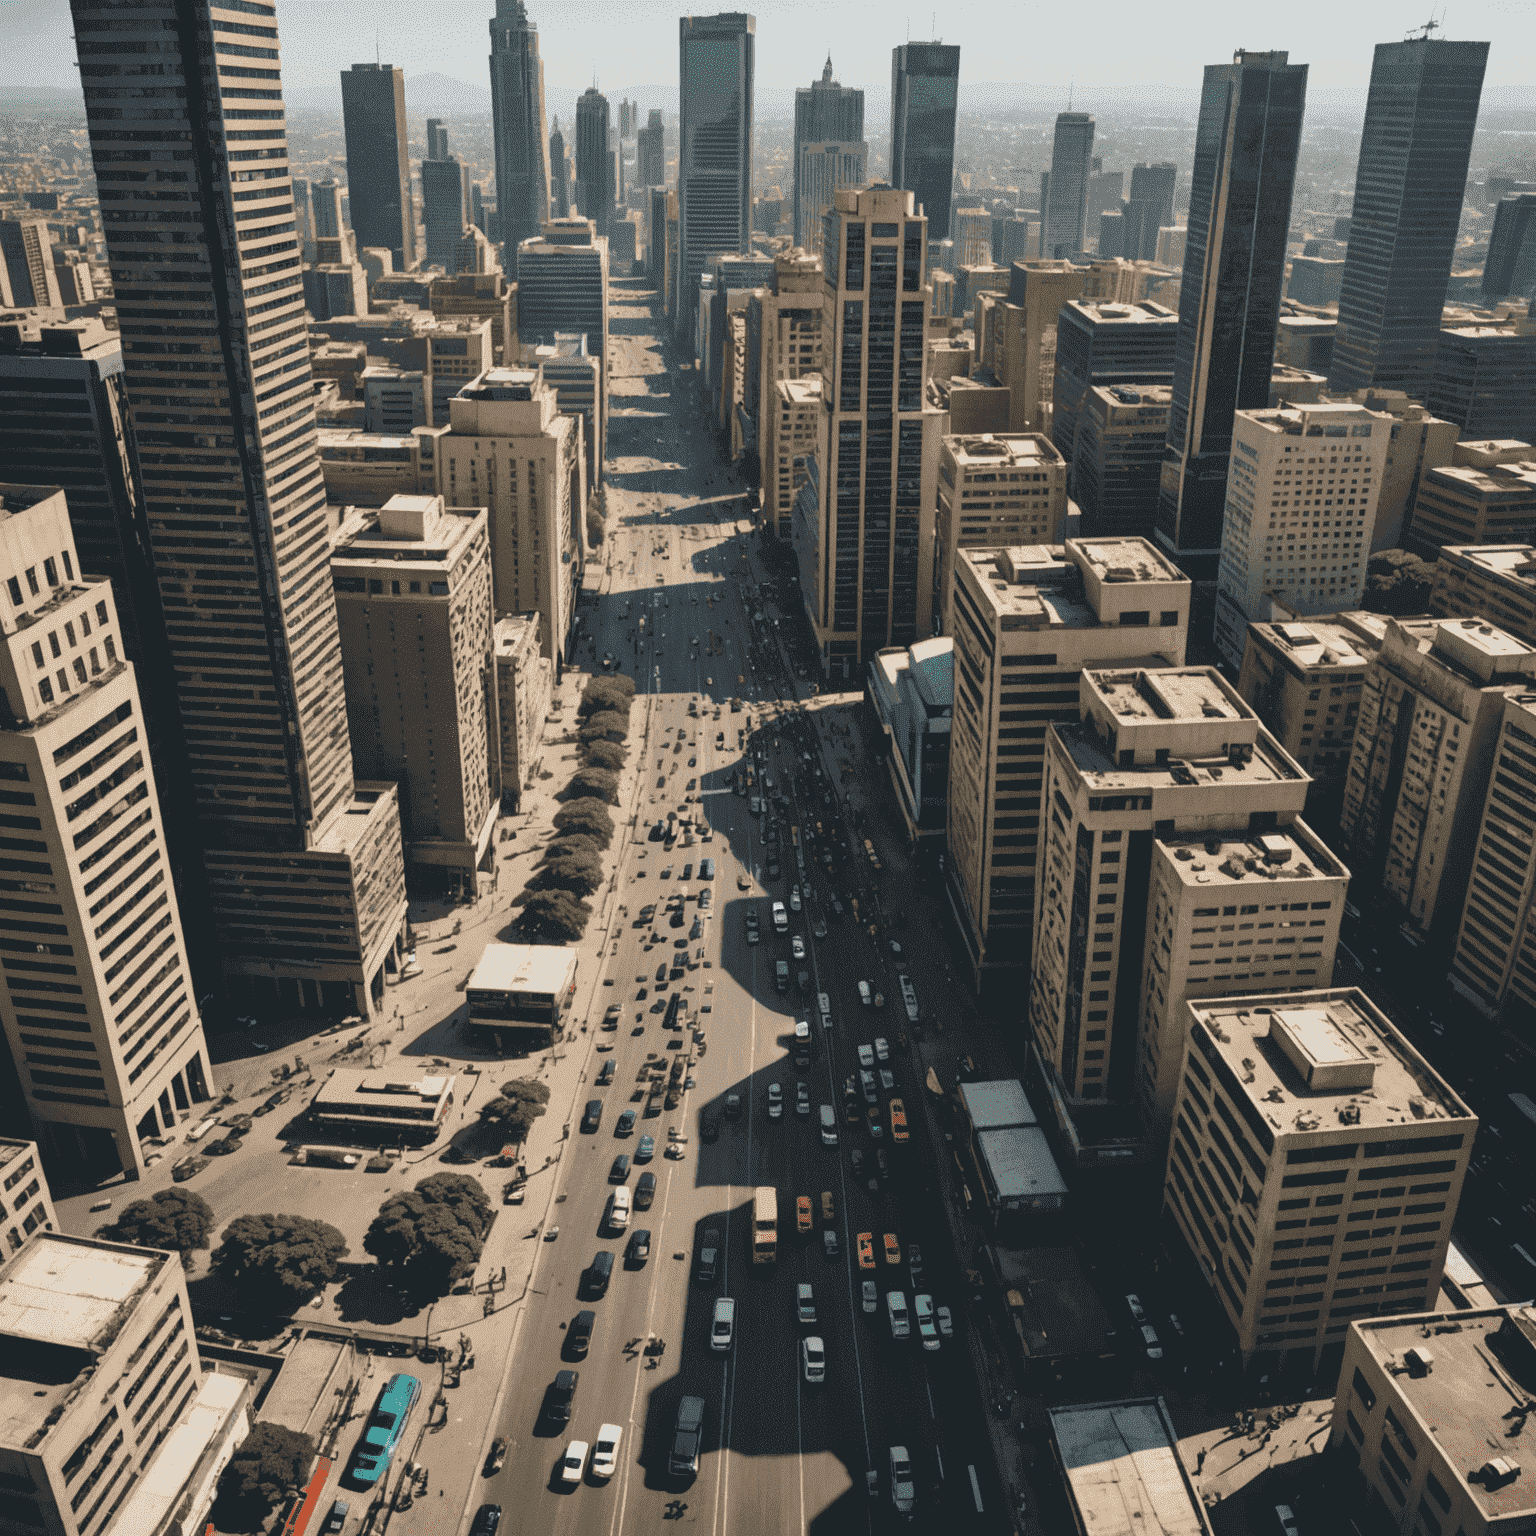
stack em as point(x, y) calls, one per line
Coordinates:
point(572, 845)
point(1397, 582)
point(178, 1219)
point(598, 783)
point(595, 529)
point(606, 725)
point(271, 1461)
point(436, 1231)
point(605, 754)
point(297, 1255)
point(555, 915)
point(519, 1104)
point(583, 876)
point(611, 691)
point(590, 817)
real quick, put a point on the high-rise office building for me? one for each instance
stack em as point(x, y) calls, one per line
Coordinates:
point(1496, 582)
point(1301, 504)
point(413, 602)
point(595, 191)
point(486, 296)
point(27, 278)
point(560, 180)
point(523, 183)
point(714, 172)
point(1411, 181)
point(1301, 1119)
point(925, 91)
point(1510, 270)
point(1021, 350)
point(1026, 621)
point(820, 170)
point(325, 197)
point(868, 582)
point(437, 139)
point(972, 233)
point(1105, 189)
point(1246, 143)
point(305, 876)
point(1117, 463)
point(1485, 495)
point(1063, 219)
point(444, 209)
point(1148, 210)
point(107, 1061)
point(651, 153)
point(379, 160)
point(826, 113)
point(1484, 379)
point(783, 339)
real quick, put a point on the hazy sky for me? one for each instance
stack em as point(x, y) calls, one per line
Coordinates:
point(1097, 43)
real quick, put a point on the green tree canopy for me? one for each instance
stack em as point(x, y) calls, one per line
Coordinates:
point(583, 876)
point(1397, 582)
point(296, 1254)
point(572, 845)
point(436, 1230)
point(178, 1219)
point(612, 691)
point(605, 754)
point(605, 725)
point(554, 915)
point(514, 1110)
point(591, 818)
point(596, 783)
point(271, 1461)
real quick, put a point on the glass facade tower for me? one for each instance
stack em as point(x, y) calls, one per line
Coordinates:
point(517, 127)
point(925, 88)
point(1064, 218)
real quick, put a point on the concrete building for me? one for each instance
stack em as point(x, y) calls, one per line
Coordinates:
point(26, 1202)
point(364, 469)
point(1156, 753)
point(791, 438)
point(1304, 679)
point(79, 1318)
point(1496, 582)
point(1295, 386)
point(1240, 204)
point(1148, 211)
point(325, 200)
point(1228, 913)
point(1315, 280)
point(102, 1072)
point(562, 178)
point(1102, 344)
point(367, 1107)
point(1021, 351)
point(480, 296)
point(913, 693)
point(523, 179)
point(524, 681)
point(1064, 213)
point(971, 233)
point(1485, 495)
point(866, 565)
point(942, 286)
point(1484, 379)
point(925, 87)
point(335, 289)
point(378, 160)
point(444, 209)
point(823, 166)
point(651, 153)
point(828, 116)
point(994, 493)
point(1425, 1407)
point(520, 994)
point(458, 350)
point(510, 449)
point(27, 276)
point(596, 189)
point(1026, 622)
point(413, 601)
point(396, 399)
point(1306, 341)
point(577, 381)
point(1296, 1114)
point(1118, 459)
point(1430, 717)
point(973, 280)
point(1301, 507)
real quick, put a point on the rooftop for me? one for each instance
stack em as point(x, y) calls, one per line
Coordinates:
point(406, 530)
point(1498, 479)
point(1170, 694)
point(1018, 1159)
point(1474, 1395)
point(994, 1105)
point(1042, 586)
point(1334, 640)
point(538, 968)
point(1218, 860)
point(1325, 1060)
point(801, 391)
point(1125, 560)
point(1024, 450)
point(361, 1085)
point(1101, 312)
point(1507, 562)
point(10, 1149)
point(1124, 1471)
point(1135, 394)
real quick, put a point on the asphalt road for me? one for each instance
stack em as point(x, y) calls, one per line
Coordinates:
point(779, 1455)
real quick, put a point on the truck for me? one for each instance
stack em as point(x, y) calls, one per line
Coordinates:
point(765, 1224)
point(781, 975)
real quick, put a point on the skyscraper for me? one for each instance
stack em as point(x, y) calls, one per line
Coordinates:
point(594, 160)
point(825, 112)
point(714, 173)
point(304, 865)
point(1246, 143)
point(437, 139)
point(378, 160)
point(1148, 209)
point(559, 185)
point(1412, 177)
point(27, 278)
point(517, 127)
point(820, 170)
point(1064, 217)
point(444, 208)
point(925, 87)
point(1510, 270)
point(325, 197)
point(651, 153)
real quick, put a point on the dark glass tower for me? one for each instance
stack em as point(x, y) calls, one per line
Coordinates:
point(1148, 209)
point(925, 88)
point(1229, 303)
point(1409, 188)
point(379, 160)
point(517, 127)
point(594, 160)
point(559, 187)
point(1064, 216)
point(1510, 270)
point(825, 112)
point(714, 173)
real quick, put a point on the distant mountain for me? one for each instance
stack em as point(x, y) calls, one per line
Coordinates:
point(32, 98)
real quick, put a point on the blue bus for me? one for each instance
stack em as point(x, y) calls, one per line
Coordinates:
point(385, 1425)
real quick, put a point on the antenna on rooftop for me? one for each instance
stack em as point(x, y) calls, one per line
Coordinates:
point(1429, 26)
point(377, 56)
point(1071, 87)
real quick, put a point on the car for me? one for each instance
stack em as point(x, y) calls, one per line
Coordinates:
point(856, 1157)
point(619, 1172)
point(645, 1191)
point(887, 1079)
point(578, 1339)
point(754, 936)
point(915, 1264)
point(896, 1314)
point(870, 1294)
point(828, 1208)
point(866, 1056)
point(819, 927)
point(593, 1116)
point(487, 1520)
point(780, 917)
point(882, 1164)
point(775, 1101)
point(1175, 1324)
point(678, 918)
point(706, 898)
point(386, 1424)
point(605, 1452)
point(803, 1213)
point(813, 1360)
point(574, 1462)
point(733, 1106)
point(606, 1075)
point(927, 1330)
point(867, 1087)
point(709, 1256)
point(903, 1489)
point(706, 869)
point(794, 898)
point(829, 1242)
point(645, 1149)
point(803, 1100)
point(687, 873)
point(722, 1330)
point(946, 1322)
point(882, 1048)
point(647, 912)
point(755, 805)
point(188, 1167)
point(1138, 1311)
point(336, 1521)
point(866, 995)
point(797, 947)
point(866, 1244)
point(638, 1249)
point(626, 1124)
point(1285, 1520)
point(611, 1017)
point(773, 868)
point(805, 1304)
point(644, 993)
point(1154, 1346)
point(666, 874)
point(892, 1249)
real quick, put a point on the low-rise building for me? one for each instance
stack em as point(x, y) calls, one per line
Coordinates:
point(1487, 495)
point(396, 399)
point(374, 1105)
point(1496, 582)
point(524, 682)
point(364, 469)
point(1315, 1168)
point(1008, 1153)
point(520, 993)
point(1428, 1410)
point(26, 1203)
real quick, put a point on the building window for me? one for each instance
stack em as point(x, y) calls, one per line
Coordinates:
point(31, 575)
point(51, 572)
point(14, 587)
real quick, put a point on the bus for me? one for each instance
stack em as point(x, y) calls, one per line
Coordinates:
point(765, 1224)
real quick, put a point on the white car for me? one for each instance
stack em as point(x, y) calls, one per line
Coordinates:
point(605, 1454)
point(813, 1361)
point(797, 947)
point(574, 1462)
point(927, 1330)
point(882, 1048)
point(755, 805)
point(1138, 1311)
point(1154, 1348)
point(946, 1322)
point(780, 918)
point(794, 898)
point(866, 1055)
